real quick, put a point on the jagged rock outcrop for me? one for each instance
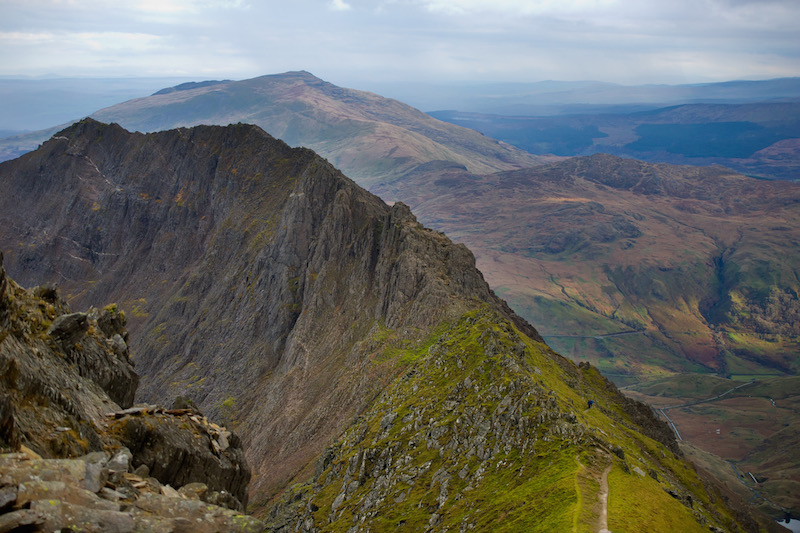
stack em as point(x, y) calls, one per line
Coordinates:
point(60, 372)
point(65, 377)
point(179, 448)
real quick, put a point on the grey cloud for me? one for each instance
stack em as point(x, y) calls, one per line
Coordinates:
point(644, 41)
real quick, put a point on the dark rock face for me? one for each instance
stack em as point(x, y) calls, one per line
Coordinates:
point(9, 439)
point(179, 450)
point(256, 271)
point(61, 375)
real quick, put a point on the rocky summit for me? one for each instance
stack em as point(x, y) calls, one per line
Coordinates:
point(376, 381)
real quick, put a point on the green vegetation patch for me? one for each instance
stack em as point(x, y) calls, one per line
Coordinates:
point(639, 504)
point(488, 430)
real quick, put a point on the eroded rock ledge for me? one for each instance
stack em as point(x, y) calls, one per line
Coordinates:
point(97, 493)
point(77, 455)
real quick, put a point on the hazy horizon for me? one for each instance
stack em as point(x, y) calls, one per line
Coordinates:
point(34, 103)
point(357, 42)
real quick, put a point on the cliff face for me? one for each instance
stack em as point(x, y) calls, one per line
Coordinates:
point(260, 280)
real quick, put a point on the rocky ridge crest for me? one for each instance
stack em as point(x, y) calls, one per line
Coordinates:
point(487, 432)
point(251, 268)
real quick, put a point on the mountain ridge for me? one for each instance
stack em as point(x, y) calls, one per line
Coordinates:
point(378, 139)
point(202, 210)
point(290, 302)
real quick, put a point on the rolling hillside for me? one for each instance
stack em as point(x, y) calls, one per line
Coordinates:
point(370, 138)
point(640, 268)
point(761, 139)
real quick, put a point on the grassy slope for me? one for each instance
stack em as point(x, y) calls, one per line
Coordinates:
point(487, 429)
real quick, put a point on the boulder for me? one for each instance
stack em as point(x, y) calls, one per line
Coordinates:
point(68, 329)
point(53, 495)
point(179, 449)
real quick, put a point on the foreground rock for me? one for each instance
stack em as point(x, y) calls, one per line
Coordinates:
point(81, 457)
point(181, 447)
point(61, 372)
point(91, 494)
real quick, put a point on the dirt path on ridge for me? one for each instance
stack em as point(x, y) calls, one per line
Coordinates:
point(603, 497)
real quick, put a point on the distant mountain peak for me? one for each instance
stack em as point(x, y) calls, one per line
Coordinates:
point(189, 86)
point(371, 138)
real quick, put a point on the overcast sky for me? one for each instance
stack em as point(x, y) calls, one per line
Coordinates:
point(349, 42)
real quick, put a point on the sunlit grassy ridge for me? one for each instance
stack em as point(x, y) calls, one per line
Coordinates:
point(487, 430)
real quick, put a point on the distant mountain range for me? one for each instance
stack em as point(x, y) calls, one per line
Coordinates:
point(548, 98)
point(758, 139)
point(374, 377)
point(639, 267)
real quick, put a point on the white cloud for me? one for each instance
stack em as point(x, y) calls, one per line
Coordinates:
point(517, 7)
point(340, 5)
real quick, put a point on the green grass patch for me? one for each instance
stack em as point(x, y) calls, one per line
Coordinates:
point(640, 504)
